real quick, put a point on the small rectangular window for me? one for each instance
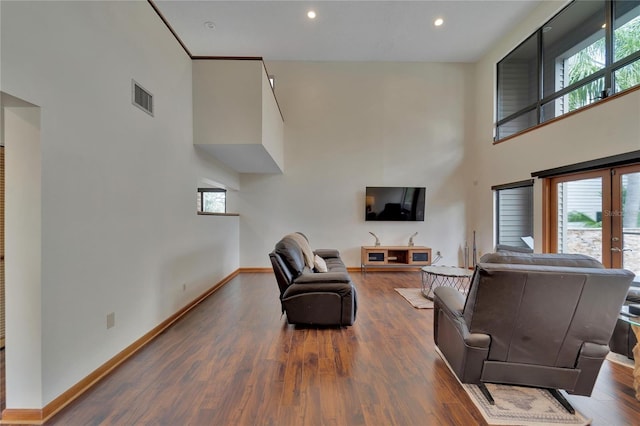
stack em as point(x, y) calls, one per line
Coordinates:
point(212, 200)
point(579, 97)
point(517, 124)
point(573, 43)
point(628, 76)
point(626, 38)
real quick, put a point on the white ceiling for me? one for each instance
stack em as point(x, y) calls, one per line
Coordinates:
point(343, 30)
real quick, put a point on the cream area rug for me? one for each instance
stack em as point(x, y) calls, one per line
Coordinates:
point(518, 405)
point(620, 359)
point(415, 297)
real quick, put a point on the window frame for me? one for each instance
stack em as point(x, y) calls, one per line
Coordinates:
point(607, 73)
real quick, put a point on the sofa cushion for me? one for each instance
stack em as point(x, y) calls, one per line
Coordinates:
point(320, 264)
point(290, 252)
point(548, 259)
point(327, 253)
point(335, 264)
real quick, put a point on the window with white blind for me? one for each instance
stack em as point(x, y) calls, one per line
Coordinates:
point(514, 213)
point(518, 88)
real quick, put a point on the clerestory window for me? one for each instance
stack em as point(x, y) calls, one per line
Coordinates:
point(588, 51)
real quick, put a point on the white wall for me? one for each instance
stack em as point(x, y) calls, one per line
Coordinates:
point(119, 226)
point(604, 130)
point(272, 125)
point(352, 125)
point(236, 118)
point(227, 102)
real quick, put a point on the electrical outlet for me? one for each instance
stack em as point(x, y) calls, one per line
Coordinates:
point(438, 253)
point(111, 320)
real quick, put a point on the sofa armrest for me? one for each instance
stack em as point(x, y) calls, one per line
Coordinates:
point(343, 289)
point(594, 350)
point(323, 277)
point(450, 300)
point(327, 253)
point(589, 361)
point(633, 295)
point(477, 340)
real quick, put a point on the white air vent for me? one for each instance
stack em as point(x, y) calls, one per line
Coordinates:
point(141, 98)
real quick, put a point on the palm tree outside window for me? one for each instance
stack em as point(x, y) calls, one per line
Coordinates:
point(587, 52)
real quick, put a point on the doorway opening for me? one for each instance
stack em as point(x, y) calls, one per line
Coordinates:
point(21, 242)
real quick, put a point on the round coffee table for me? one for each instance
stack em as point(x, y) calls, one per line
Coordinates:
point(436, 276)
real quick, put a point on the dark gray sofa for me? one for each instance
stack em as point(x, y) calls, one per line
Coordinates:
point(623, 339)
point(541, 320)
point(311, 297)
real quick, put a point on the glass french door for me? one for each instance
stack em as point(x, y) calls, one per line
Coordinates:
point(625, 218)
point(597, 213)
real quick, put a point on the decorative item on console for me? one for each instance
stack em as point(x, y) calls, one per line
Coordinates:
point(376, 237)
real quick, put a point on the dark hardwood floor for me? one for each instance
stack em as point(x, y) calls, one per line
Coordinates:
point(234, 361)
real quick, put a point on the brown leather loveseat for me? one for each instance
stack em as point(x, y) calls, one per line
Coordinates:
point(540, 320)
point(309, 296)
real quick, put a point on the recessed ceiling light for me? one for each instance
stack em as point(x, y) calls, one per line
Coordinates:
point(438, 22)
point(311, 14)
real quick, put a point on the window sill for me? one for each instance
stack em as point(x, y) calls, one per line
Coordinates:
point(217, 214)
point(568, 114)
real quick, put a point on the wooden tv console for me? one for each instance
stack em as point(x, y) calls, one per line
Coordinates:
point(394, 257)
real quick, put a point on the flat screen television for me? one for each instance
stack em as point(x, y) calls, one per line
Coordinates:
point(394, 203)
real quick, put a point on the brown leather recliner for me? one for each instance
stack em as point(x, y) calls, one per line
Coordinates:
point(311, 297)
point(541, 320)
point(624, 339)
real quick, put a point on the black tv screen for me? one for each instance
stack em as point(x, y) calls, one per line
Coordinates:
point(394, 203)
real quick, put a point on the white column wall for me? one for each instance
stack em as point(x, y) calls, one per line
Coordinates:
point(23, 256)
point(227, 102)
point(272, 124)
point(119, 229)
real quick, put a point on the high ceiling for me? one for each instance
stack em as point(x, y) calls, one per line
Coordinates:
point(343, 30)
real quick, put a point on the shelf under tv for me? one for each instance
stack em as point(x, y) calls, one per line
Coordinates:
point(407, 257)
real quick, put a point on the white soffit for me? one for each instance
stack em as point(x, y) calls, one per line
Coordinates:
point(344, 30)
point(243, 158)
